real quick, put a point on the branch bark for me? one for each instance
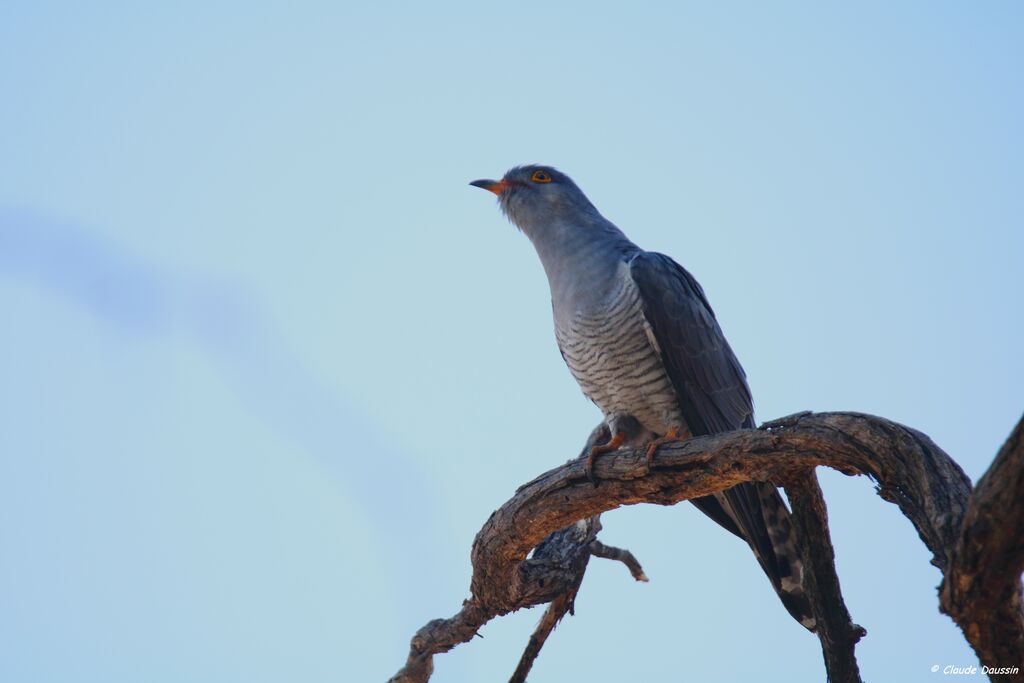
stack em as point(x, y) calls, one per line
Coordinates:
point(982, 589)
point(570, 543)
point(566, 550)
point(911, 471)
point(552, 615)
point(610, 552)
point(837, 633)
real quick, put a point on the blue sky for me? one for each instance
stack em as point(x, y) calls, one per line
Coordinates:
point(269, 362)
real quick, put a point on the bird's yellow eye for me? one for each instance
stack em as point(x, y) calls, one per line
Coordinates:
point(540, 177)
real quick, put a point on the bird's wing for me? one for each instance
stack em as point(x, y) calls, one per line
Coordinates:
point(714, 397)
point(704, 371)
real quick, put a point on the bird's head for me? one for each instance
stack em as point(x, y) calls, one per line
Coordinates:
point(535, 197)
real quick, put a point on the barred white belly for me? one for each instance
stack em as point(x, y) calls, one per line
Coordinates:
point(614, 357)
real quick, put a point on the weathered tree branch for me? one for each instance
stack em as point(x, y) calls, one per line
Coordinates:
point(570, 543)
point(911, 471)
point(610, 552)
point(981, 590)
point(552, 615)
point(837, 633)
point(566, 550)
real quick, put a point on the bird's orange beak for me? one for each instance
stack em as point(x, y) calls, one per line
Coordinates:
point(495, 186)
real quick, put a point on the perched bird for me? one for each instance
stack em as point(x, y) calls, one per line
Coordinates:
point(639, 336)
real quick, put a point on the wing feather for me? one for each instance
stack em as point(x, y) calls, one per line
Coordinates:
point(714, 397)
point(708, 378)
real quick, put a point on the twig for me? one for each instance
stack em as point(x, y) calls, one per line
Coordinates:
point(610, 552)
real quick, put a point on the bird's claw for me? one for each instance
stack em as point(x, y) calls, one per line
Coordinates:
point(671, 435)
point(589, 469)
point(613, 444)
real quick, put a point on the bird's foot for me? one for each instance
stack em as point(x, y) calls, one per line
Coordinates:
point(613, 444)
point(672, 435)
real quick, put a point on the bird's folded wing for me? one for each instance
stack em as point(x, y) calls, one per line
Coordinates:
point(714, 397)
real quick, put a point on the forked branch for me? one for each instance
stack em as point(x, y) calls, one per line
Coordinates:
point(911, 471)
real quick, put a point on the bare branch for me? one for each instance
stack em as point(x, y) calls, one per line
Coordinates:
point(837, 633)
point(553, 574)
point(552, 615)
point(982, 586)
point(929, 488)
point(568, 544)
point(610, 552)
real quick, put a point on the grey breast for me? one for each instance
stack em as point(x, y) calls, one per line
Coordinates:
point(612, 353)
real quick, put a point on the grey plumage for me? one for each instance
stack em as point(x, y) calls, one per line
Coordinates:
point(642, 341)
point(609, 351)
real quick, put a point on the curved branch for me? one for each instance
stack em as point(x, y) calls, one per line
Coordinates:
point(930, 489)
point(981, 590)
point(911, 471)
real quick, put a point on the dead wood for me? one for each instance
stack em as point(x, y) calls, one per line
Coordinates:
point(556, 515)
